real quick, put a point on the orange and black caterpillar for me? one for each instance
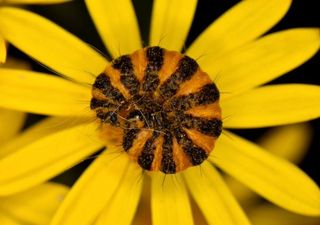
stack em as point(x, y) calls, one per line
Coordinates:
point(160, 107)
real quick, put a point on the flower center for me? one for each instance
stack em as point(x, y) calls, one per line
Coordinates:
point(160, 107)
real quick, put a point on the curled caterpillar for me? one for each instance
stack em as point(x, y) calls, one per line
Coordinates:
point(160, 107)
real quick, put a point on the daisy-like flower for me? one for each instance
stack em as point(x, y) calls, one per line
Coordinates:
point(109, 190)
point(3, 51)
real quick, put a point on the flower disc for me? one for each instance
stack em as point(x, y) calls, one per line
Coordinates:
point(160, 107)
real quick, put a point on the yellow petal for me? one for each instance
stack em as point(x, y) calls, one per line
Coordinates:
point(94, 189)
point(213, 197)
point(46, 157)
point(3, 50)
point(35, 1)
point(300, 136)
point(11, 122)
point(243, 23)
point(143, 214)
point(42, 93)
point(271, 177)
point(7, 220)
point(244, 195)
point(50, 44)
point(169, 200)
point(272, 105)
point(122, 207)
point(273, 141)
point(37, 131)
point(268, 214)
point(265, 59)
point(117, 24)
point(36, 205)
point(170, 22)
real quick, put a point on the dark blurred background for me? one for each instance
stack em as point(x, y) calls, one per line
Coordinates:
point(74, 17)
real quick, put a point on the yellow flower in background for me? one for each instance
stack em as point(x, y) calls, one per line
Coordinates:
point(110, 189)
point(3, 51)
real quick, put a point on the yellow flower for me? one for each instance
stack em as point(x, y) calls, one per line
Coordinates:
point(3, 51)
point(109, 190)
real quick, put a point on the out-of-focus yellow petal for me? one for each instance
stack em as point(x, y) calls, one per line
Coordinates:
point(271, 177)
point(117, 24)
point(269, 214)
point(243, 23)
point(46, 157)
point(11, 122)
point(3, 50)
point(169, 200)
point(7, 220)
point(265, 59)
point(51, 45)
point(213, 197)
point(242, 193)
point(289, 142)
point(42, 93)
point(35, 1)
point(34, 206)
point(94, 189)
point(272, 105)
point(121, 208)
point(298, 135)
point(170, 22)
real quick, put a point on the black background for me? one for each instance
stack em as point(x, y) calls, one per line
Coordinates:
point(74, 17)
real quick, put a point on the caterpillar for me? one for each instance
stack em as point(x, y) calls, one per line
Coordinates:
point(160, 107)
